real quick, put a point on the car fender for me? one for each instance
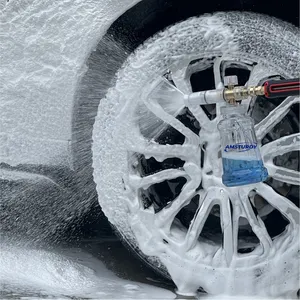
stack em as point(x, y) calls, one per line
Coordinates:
point(44, 46)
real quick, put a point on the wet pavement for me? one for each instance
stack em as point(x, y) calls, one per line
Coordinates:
point(80, 241)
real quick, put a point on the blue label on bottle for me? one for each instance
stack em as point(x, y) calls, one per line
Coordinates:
point(241, 147)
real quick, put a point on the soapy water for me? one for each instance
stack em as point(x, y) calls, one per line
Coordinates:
point(241, 172)
point(27, 273)
point(74, 273)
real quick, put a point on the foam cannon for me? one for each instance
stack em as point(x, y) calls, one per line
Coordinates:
point(241, 158)
point(232, 94)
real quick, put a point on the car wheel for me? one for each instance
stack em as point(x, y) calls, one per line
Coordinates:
point(158, 174)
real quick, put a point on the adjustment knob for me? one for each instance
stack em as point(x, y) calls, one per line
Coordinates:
point(231, 81)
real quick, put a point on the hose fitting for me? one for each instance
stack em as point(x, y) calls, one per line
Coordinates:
point(238, 93)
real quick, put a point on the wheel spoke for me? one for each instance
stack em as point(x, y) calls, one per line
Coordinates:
point(282, 204)
point(165, 217)
point(283, 174)
point(180, 76)
point(138, 182)
point(274, 117)
point(281, 146)
point(235, 228)
point(256, 223)
point(217, 73)
point(238, 211)
point(196, 226)
point(162, 152)
point(154, 106)
point(227, 229)
point(218, 82)
point(260, 72)
point(201, 117)
point(183, 83)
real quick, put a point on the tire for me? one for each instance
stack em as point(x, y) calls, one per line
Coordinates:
point(262, 46)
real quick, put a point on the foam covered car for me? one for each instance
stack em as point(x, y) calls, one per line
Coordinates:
point(77, 119)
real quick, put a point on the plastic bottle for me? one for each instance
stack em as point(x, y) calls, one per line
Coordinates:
point(241, 158)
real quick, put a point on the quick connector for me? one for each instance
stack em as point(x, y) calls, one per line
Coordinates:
point(240, 93)
point(270, 89)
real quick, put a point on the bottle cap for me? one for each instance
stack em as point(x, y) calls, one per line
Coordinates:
point(233, 109)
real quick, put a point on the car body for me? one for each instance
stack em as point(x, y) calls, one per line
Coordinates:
point(44, 49)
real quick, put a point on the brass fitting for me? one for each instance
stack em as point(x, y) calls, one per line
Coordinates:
point(233, 94)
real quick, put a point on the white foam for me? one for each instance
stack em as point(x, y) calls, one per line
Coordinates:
point(71, 274)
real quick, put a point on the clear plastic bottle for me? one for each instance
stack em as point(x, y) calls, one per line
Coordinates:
point(242, 162)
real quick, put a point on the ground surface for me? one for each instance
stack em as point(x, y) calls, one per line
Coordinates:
point(87, 262)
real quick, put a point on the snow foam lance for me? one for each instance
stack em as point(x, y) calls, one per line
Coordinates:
point(241, 158)
point(242, 162)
